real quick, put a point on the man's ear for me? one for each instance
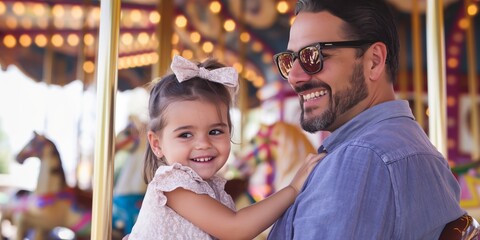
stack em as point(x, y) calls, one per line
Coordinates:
point(155, 143)
point(378, 57)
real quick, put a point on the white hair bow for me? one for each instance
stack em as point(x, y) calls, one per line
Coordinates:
point(185, 70)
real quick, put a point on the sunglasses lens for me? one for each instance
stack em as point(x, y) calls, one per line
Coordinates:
point(310, 59)
point(284, 63)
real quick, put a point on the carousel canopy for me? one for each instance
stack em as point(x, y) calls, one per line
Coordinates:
point(56, 40)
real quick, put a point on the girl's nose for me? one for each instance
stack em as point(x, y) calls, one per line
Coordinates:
point(203, 143)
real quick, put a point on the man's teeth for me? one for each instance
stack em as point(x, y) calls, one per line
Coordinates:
point(314, 95)
point(202, 159)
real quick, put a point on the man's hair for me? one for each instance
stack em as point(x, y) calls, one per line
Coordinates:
point(366, 20)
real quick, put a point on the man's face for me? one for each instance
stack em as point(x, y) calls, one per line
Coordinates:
point(328, 98)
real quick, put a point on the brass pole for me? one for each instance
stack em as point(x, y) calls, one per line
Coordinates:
point(243, 91)
point(164, 34)
point(472, 84)
point(48, 63)
point(402, 58)
point(48, 57)
point(417, 64)
point(436, 76)
point(106, 91)
point(81, 46)
point(221, 38)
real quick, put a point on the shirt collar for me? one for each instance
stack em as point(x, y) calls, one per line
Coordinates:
point(367, 118)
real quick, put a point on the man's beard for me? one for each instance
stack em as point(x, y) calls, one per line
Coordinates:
point(341, 102)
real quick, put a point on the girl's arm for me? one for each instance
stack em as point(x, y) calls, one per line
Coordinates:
point(221, 222)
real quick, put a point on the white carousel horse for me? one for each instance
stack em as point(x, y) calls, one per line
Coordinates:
point(272, 157)
point(130, 187)
point(53, 203)
point(14, 203)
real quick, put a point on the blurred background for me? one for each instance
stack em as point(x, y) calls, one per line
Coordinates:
point(48, 52)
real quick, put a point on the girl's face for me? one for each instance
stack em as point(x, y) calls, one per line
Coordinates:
point(194, 136)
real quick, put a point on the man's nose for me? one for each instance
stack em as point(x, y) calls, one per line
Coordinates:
point(297, 74)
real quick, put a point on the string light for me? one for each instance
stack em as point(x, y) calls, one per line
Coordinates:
point(136, 15)
point(207, 47)
point(229, 25)
point(126, 39)
point(215, 7)
point(472, 9)
point(463, 23)
point(11, 22)
point(452, 62)
point(3, 8)
point(181, 21)
point(73, 40)
point(257, 46)
point(175, 39)
point(18, 8)
point(282, 7)
point(88, 39)
point(143, 38)
point(88, 66)
point(77, 12)
point(187, 53)
point(238, 67)
point(154, 17)
point(58, 11)
point(57, 40)
point(41, 40)
point(26, 23)
point(9, 41)
point(25, 40)
point(195, 37)
point(291, 20)
point(245, 37)
point(132, 42)
point(39, 9)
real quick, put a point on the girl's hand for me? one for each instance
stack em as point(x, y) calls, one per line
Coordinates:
point(309, 163)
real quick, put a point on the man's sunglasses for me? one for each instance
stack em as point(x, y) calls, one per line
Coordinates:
point(310, 57)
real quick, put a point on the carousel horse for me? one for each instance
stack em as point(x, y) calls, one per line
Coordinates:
point(268, 163)
point(130, 187)
point(14, 202)
point(469, 181)
point(52, 204)
point(272, 157)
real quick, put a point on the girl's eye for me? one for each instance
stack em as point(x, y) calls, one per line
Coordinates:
point(185, 135)
point(216, 132)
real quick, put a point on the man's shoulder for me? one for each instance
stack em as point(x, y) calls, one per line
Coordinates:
point(392, 142)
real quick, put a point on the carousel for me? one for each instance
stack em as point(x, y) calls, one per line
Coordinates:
point(74, 83)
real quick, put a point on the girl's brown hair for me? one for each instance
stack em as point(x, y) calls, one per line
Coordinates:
point(168, 90)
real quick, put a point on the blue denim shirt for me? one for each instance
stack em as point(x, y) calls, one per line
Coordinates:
point(381, 179)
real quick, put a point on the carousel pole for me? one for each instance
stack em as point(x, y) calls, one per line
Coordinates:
point(80, 74)
point(436, 76)
point(48, 64)
point(403, 62)
point(243, 91)
point(472, 84)
point(417, 64)
point(164, 34)
point(48, 56)
point(106, 91)
point(221, 39)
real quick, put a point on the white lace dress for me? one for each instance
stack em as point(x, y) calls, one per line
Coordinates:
point(158, 221)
